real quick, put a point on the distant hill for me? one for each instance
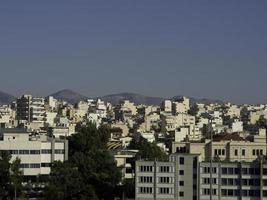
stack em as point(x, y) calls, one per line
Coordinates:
point(136, 98)
point(5, 98)
point(68, 96)
point(199, 100)
point(141, 99)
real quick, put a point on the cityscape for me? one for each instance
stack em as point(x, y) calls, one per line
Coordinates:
point(133, 100)
point(175, 150)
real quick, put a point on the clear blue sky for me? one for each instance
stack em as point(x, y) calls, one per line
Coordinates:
point(214, 49)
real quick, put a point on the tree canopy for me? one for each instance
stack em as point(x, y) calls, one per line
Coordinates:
point(90, 172)
point(10, 176)
point(148, 150)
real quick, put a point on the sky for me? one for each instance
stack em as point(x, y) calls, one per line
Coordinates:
point(209, 48)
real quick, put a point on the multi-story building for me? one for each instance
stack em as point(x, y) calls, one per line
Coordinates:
point(184, 177)
point(171, 122)
point(226, 147)
point(180, 105)
point(166, 106)
point(36, 151)
point(30, 109)
point(233, 180)
point(176, 179)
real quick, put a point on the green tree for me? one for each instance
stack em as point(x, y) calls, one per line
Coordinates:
point(193, 110)
point(148, 150)
point(16, 177)
point(66, 183)
point(90, 168)
point(4, 174)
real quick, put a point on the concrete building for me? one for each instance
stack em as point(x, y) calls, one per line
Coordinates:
point(30, 109)
point(172, 122)
point(226, 147)
point(233, 181)
point(180, 106)
point(36, 151)
point(176, 179)
point(166, 106)
point(125, 162)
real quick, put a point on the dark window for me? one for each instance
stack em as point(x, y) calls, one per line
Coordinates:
point(181, 172)
point(34, 151)
point(24, 152)
point(181, 160)
point(243, 152)
point(46, 151)
point(45, 164)
point(181, 183)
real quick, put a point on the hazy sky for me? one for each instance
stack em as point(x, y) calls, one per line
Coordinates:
point(214, 49)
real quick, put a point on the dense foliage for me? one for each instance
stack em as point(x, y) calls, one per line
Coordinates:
point(90, 173)
point(147, 150)
point(10, 176)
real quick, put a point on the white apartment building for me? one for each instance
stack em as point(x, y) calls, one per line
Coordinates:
point(226, 147)
point(172, 122)
point(180, 106)
point(37, 152)
point(233, 181)
point(166, 106)
point(176, 179)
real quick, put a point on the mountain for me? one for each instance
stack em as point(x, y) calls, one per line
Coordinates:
point(199, 100)
point(136, 98)
point(68, 96)
point(5, 98)
point(141, 99)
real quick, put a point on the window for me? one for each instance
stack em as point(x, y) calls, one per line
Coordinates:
point(59, 151)
point(244, 170)
point(230, 171)
point(236, 152)
point(243, 152)
point(206, 191)
point(34, 151)
point(164, 190)
point(146, 168)
point(145, 190)
point(46, 151)
point(224, 170)
point(34, 165)
point(13, 152)
point(164, 169)
point(245, 193)
point(24, 165)
point(45, 164)
point(164, 179)
point(181, 172)
point(206, 181)
point(206, 170)
point(181, 194)
point(224, 181)
point(23, 152)
point(145, 179)
point(181, 183)
point(181, 160)
point(253, 152)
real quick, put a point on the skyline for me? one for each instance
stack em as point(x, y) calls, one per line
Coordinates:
point(205, 50)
